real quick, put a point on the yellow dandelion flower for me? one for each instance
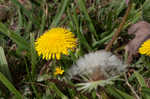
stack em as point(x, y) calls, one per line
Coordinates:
point(55, 42)
point(145, 48)
point(58, 71)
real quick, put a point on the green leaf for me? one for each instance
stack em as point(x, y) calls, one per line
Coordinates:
point(9, 85)
point(140, 79)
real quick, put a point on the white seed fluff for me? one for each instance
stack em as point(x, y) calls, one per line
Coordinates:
point(109, 64)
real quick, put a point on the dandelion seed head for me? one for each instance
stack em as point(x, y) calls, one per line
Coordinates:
point(108, 64)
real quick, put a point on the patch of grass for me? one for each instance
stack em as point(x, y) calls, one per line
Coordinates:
point(93, 22)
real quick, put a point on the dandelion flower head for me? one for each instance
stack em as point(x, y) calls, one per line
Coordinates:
point(55, 42)
point(58, 71)
point(145, 48)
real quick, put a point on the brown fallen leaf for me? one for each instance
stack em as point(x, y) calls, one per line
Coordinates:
point(141, 30)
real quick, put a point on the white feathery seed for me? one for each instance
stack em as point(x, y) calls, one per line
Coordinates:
point(109, 64)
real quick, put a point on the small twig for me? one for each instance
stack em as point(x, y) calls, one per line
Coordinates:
point(108, 47)
point(131, 88)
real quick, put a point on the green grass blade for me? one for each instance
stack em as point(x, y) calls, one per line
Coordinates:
point(142, 84)
point(15, 37)
point(28, 27)
point(26, 12)
point(20, 21)
point(35, 91)
point(124, 95)
point(146, 90)
point(102, 41)
point(140, 79)
point(4, 65)
point(33, 56)
point(113, 92)
point(59, 93)
point(79, 34)
point(145, 10)
point(58, 16)
point(9, 85)
point(42, 24)
point(92, 29)
point(121, 7)
point(118, 93)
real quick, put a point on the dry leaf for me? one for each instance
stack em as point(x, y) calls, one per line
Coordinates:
point(141, 30)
